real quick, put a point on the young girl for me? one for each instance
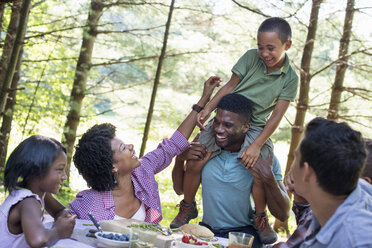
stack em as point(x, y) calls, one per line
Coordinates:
point(35, 169)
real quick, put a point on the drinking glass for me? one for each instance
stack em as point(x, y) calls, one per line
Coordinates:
point(240, 240)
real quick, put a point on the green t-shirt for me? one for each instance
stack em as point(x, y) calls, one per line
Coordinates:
point(263, 89)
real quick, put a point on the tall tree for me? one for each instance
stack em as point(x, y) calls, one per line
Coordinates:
point(342, 64)
point(303, 100)
point(157, 80)
point(8, 114)
point(80, 80)
point(2, 8)
point(8, 77)
point(9, 44)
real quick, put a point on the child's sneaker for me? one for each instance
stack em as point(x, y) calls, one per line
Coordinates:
point(186, 213)
point(265, 232)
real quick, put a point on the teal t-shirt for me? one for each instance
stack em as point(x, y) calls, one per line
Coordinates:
point(263, 89)
point(226, 190)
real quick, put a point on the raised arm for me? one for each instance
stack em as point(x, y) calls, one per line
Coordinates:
point(226, 89)
point(188, 125)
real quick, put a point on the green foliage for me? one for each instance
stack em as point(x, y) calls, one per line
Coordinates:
point(66, 194)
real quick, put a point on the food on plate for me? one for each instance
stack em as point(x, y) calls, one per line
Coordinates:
point(114, 236)
point(152, 227)
point(197, 230)
point(189, 239)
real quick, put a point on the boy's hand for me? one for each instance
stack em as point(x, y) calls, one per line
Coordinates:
point(65, 225)
point(250, 155)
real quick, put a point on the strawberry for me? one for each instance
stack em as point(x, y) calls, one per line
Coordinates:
point(186, 239)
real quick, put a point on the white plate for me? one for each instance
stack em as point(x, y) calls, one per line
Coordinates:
point(111, 242)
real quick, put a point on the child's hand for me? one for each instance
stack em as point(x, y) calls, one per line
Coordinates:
point(202, 117)
point(250, 155)
point(65, 225)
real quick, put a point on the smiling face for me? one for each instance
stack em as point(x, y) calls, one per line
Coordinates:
point(271, 50)
point(125, 159)
point(230, 129)
point(55, 176)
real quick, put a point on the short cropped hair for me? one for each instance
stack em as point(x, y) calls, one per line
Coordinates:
point(32, 158)
point(367, 172)
point(94, 157)
point(337, 154)
point(279, 26)
point(237, 103)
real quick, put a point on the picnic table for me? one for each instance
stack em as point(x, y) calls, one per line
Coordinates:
point(79, 238)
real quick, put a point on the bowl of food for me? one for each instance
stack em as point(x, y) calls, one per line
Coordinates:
point(113, 239)
point(189, 241)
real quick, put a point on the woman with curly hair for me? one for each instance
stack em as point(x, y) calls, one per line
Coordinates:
point(123, 186)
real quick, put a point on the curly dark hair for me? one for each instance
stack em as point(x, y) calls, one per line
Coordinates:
point(237, 103)
point(94, 157)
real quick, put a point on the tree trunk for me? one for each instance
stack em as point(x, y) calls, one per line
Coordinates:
point(8, 114)
point(9, 42)
point(156, 81)
point(81, 76)
point(302, 105)
point(342, 64)
point(2, 8)
point(18, 43)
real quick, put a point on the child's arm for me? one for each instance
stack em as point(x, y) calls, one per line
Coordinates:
point(226, 89)
point(35, 233)
point(54, 207)
point(252, 152)
point(196, 151)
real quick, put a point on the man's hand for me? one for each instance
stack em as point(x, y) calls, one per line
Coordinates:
point(250, 155)
point(262, 169)
point(195, 151)
point(289, 186)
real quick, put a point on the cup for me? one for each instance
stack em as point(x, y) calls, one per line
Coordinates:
point(240, 240)
point(140, 238)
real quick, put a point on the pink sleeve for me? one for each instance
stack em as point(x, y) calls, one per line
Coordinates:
point(162, 156)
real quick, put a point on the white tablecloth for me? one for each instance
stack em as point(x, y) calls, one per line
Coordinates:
point(80, 240)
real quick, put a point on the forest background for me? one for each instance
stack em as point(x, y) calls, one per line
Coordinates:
point(67, 65)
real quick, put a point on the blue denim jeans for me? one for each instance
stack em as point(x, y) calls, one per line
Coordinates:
point(224, 233)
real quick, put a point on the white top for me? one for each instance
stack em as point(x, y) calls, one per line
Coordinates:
point(8, 239)
point(139, 215)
